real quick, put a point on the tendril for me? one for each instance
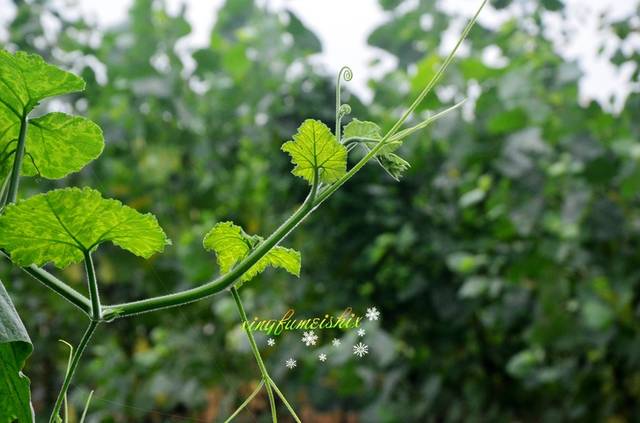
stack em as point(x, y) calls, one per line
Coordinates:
point(7, 146)
point(6, 157)
point(33, 162)
point(341, 109)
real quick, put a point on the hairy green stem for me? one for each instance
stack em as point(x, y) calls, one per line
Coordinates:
point(256, 353)
point(246, 402)
point(75, 360)
point(427, 89)
point(94, 294)
point(57, 286)
point(14, 180)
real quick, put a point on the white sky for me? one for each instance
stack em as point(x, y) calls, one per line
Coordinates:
point(344, 25)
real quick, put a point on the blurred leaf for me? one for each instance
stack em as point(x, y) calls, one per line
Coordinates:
point(525, 362)
point(15, 347)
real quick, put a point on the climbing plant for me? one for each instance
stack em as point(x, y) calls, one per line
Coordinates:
point(66, 226)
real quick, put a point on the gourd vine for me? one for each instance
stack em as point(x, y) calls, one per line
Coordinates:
point(66, 226)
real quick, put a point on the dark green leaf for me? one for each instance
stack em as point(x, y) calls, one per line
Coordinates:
point(15, 347)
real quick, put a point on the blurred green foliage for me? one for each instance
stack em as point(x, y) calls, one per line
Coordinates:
point(504, 262)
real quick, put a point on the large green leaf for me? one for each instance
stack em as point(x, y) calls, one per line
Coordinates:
point(60, 144)
point(369, 134)
point(231, 244)
point(15, 347)
point(313, 148)
point(25, 79)
point(56, 144)
point(60, 225)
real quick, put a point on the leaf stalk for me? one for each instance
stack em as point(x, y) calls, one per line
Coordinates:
point(14, 180)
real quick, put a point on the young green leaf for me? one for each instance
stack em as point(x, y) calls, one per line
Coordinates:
point(359, 129)
point(57, 144)
point(231, 244)
point(315, 149)
point(61, 225)
point(369, 134)
point(25, 79)
point(60, 144)
point(393, 164)
point(15, 347)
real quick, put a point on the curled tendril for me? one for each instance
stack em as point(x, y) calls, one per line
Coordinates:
point(344, 110)
point(346, 74)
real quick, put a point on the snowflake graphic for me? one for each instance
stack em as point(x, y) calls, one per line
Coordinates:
point(372, 313)
point(336, 342)
point(309, 338)
point(271, 342)
point(360, 349)
point(361, 332)
point(291, 363)
point(322, 357)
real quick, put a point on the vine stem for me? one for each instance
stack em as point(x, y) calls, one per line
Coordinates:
point(94, 294)
point(310, 204)
point(246, 402)
point(14, 180)
point(284, 400)
point(75, 360)
point(56, 285)
point(256, 353)
point(96, 316)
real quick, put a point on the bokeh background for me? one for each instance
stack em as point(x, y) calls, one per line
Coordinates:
point(505, 263)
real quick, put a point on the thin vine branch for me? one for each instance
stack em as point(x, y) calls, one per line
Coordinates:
point(75, 360)
point(256, 352)
point(246, 402)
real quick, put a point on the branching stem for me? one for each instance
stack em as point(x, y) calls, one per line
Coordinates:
point(256, 353)
point(75, 359)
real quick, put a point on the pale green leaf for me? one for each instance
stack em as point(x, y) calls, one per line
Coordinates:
point(362, 130)
point(25, 79)
point(315, 148)
point(370, 135)
point(60, 144)
point(15, 347)
point(56, 144)
point(393, 164)
point(231, 244)
point(60, 225)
